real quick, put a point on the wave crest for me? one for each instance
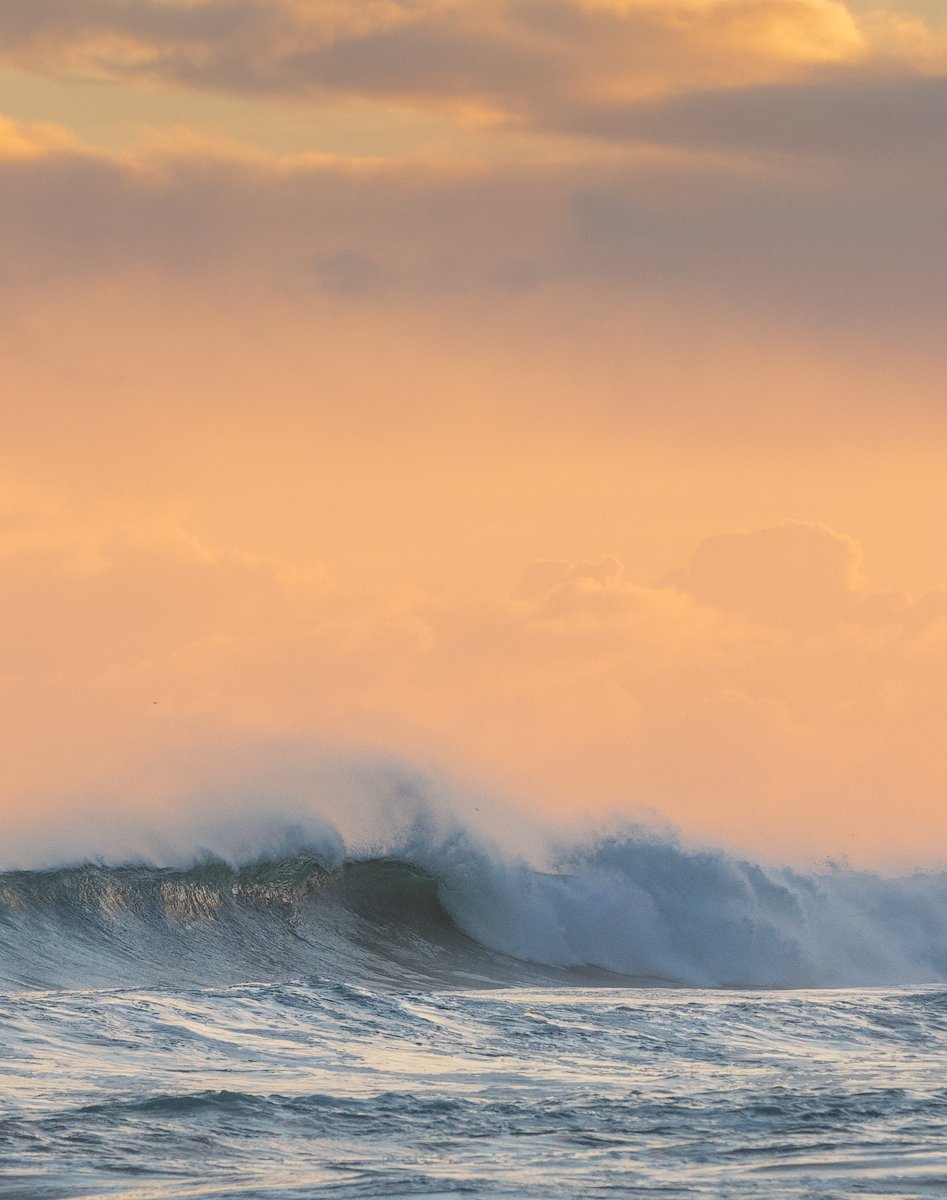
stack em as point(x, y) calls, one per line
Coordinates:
point(447, 910)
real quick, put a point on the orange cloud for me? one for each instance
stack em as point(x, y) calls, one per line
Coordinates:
point(541, 64)
point(785, 729)
point(795, 575)
point(193, 210)
point(27, 142)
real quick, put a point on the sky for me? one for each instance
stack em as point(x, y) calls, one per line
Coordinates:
point(545, 394)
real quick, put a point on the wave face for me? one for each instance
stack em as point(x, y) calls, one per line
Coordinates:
point(447, 910)
point(95, 926)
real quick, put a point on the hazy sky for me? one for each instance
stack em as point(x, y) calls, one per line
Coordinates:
point(546, 392)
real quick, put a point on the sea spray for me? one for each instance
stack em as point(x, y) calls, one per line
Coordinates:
point(443, 903)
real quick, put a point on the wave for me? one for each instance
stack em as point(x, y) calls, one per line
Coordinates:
point(448, 910)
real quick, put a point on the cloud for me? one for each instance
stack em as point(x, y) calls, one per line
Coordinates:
point(805, 247)
point(796, 575)
point(540, 64)
point(739, 712)
point(875, 117)
point(542, 577)
point(21, 142)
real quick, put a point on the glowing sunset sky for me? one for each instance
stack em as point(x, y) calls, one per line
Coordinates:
point(547, 392)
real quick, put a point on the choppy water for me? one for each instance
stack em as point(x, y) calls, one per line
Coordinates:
point(297, 1030)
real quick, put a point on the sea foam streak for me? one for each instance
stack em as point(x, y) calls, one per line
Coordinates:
point(447, 908)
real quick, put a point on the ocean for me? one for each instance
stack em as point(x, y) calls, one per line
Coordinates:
point(443, 1020)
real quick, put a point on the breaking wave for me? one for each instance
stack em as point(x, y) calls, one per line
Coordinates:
point(448, 910)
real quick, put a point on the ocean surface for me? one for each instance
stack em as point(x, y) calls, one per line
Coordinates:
point(639, 1020)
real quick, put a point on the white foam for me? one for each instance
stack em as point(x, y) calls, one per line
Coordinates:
point(642, 905)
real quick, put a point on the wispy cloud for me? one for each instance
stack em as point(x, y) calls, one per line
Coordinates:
point(555, 65)
point(814, 246)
